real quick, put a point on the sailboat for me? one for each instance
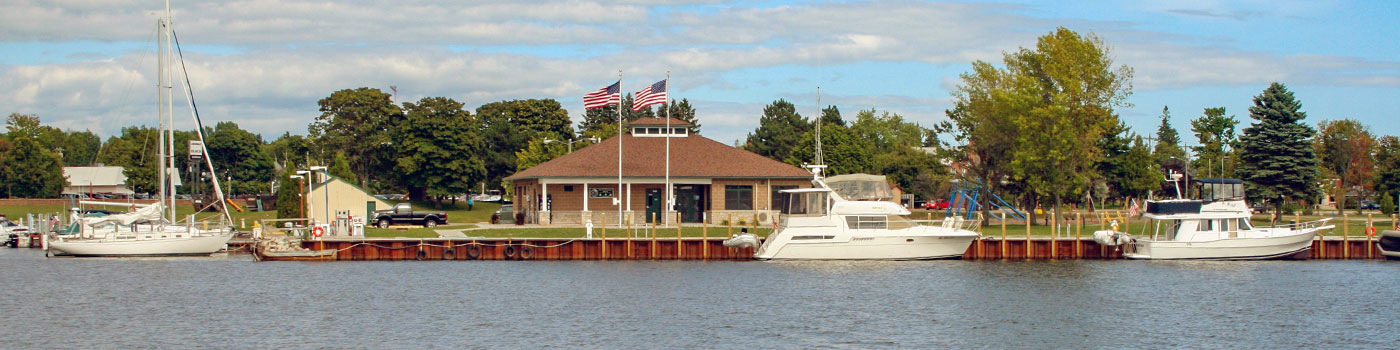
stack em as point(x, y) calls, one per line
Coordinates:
point(153, 229)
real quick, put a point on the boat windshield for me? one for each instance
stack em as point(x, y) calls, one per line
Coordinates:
point(878, 222)
point(806, 204)
point(861, 187)
point(1221, 189)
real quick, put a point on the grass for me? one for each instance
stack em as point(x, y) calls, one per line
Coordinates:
point(415, 232)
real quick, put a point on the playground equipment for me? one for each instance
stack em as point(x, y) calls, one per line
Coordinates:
point(965, 201)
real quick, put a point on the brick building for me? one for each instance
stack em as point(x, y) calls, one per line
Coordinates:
point(710, 181)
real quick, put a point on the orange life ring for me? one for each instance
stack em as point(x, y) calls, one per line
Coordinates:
point(1370, 230)
point(317, 231)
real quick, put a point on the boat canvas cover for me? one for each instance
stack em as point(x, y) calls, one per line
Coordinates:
point(147, 213)
point(861, 187)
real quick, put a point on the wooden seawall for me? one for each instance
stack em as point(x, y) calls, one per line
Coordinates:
point(1036, 248)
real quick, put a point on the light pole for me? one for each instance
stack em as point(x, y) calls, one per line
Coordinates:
point(325, 190)
point(307, 198)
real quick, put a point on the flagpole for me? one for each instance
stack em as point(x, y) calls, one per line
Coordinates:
point(619, 150)
point(670, 201)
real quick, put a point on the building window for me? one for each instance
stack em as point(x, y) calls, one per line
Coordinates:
point(568, 188)
point(678, 131)
point(738, 197)
point(639, 131)
point(656, 131)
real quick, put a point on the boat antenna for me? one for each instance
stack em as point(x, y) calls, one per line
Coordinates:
point(1175, 179)
point(819, 159)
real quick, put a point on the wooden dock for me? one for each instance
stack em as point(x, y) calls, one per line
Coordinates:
point(692, 248)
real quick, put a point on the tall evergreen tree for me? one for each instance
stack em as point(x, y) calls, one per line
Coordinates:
point(1168, 142)
point(832, 115)
point(1276, 152)
point(779, 131)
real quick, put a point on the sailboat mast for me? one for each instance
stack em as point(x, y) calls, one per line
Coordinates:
point(160, 107)
point(170, 116)
point(819, 159)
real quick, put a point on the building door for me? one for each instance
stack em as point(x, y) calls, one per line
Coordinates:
point(690, 202)
point(653, 204)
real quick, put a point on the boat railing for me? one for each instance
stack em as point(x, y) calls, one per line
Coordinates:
point(952, 222)
point(298, 227)
point(1300, 225)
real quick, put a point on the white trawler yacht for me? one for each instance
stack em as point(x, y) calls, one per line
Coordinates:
point(852, 217)
point(152, 229)
point(1216, 226)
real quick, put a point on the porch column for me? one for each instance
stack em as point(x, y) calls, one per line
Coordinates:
point(544, 202)
point(585, 197)
point(629, 199)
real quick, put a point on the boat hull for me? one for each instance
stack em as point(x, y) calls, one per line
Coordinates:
point(921, 247)
point(1295, 246)
point(298, 255)
point(1389, 242)
point(197, 245)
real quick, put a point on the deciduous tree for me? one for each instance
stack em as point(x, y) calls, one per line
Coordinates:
point(439, 149)
point(1344, 147)
point(1216, 134)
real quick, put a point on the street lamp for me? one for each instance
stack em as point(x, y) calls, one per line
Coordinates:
point(309, 208)
point(325, 192)
point(571, 142)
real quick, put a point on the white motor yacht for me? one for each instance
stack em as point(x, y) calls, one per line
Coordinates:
point(1389, 243)
point(1214, 227)
point(853, 217)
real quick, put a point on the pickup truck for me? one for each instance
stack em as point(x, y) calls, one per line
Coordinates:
point(403, 214)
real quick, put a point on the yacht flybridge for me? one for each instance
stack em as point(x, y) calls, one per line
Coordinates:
point(1215, 226)
point(853, 217)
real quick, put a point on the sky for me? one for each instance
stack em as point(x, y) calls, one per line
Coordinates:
point(90, 64)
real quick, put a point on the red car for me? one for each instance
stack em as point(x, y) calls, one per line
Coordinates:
point(939, 205)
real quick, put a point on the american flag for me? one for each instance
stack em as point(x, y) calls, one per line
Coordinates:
point(652, 95)
point(604, 97)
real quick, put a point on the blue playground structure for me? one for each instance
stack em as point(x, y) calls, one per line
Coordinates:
point(964, 200)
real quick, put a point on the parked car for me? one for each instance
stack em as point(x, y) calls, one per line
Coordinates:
point(506, 214)
point(937, 205)
point(1370, 205)
point(403, 214)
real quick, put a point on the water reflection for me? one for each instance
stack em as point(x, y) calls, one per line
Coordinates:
point(231, 302)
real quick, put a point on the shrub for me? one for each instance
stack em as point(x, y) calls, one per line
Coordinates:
point(1387, 204)
point(1290, 208)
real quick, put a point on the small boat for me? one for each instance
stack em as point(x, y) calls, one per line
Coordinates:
point(1214, 227)
point(1389, 241)
point(14, 235)
point(853, 217)
point(282, 248)
point(742, 240)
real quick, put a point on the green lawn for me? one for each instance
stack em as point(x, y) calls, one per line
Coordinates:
point(458, 214)
point(415, 232)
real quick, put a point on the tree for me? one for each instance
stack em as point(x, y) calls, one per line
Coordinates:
point(843, 151)
point(1276, 153)
point(832, 115)
point(917, 172)
point(1067, 86)
point(1168, 143)
point(980, 120)
point(681, 111)
point(1216, 134)
point(779, 130)
point(340, 166)
point(80, 148)
point(31, 171)
point(239, 155)
point(289, 201)
point(887, 131)
point(359, 122)
point(438, 149)
point(1344, 147)
point(292, 151)
point(1140, 174)
point(538, 152)
point(1387, 178)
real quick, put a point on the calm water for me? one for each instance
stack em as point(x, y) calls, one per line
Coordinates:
point(232, 302)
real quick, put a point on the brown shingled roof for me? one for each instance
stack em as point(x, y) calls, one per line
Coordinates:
point(691, 156)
